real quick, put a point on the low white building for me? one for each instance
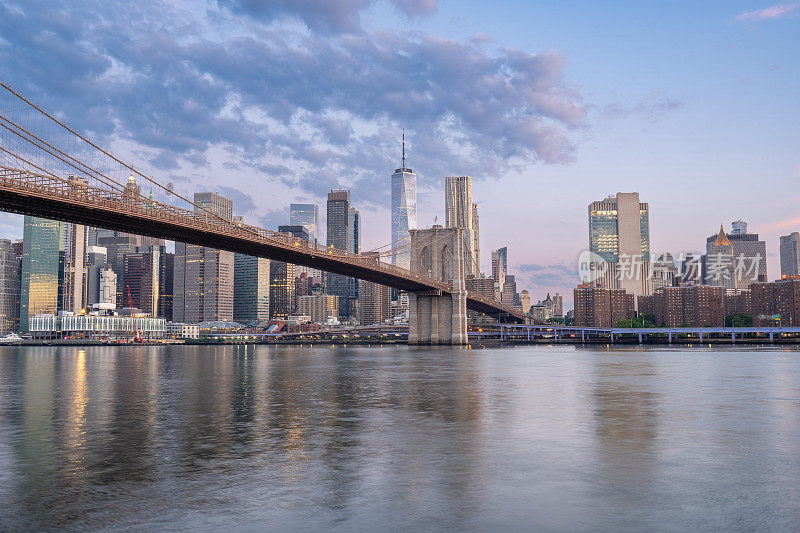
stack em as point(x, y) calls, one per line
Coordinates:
point(183, 331)
point(95, 327)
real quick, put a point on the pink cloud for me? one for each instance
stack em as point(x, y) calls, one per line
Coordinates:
point(772, 12)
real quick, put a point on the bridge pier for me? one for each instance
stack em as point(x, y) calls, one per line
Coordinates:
point(438, 317)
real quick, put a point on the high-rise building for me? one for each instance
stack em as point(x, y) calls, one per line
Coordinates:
point(694, 305)
point(404, 211)
point(306, 215)
point(776, 303)
point(749, 256)
point(510, 296)
point(74, 290)
point(108, 287)
point(790, 254)
point(499, 269)
point(319, 306)
point(42, 268)
point(354, 247)
point(203, 277)
point(664, 271)
point(9, 287)
point(691, 272)
point(340, 236)
point(718, 263)
point(95, 261)
point(558, 305)
point(148, 275)
point(459, 213)
point(476, 239)
point(601, 307)
point(525, 299)
point(297, 231)
point(374, 300)
point(218, 273)
point(281, 290)
point(250, 289)
point(738, 227)
point(212, 202)
point(619, 233)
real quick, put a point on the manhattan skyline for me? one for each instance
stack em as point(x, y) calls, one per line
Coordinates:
point(691, 107)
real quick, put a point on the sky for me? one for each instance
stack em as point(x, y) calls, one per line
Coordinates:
point(548, 105)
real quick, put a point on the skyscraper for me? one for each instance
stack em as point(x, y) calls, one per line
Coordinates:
point(404, 211)
point(499, 269)
point(250, 289)
point(306, 215)
point(354, 247)
point(460, 213)
point(9, 287)
point(203, 277)
point(790, 254)
point(340, 236)
point(619, 232)
point(718, 264)
point(95, 261)
point(749, 255)
point(74, 290)
point(297, 231)
point(140, 277)
point(42, 268)
point(374, 300)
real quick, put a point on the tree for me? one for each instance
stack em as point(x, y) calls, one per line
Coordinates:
point(738, 320)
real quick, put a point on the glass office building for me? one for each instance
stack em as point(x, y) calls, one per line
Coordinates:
point(42, 269)
point(619, 232)
point(404, 214)
point(306, 215)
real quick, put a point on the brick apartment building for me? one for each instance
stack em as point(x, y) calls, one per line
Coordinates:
point(600, 307)
point(779, 299)
point(697, 305)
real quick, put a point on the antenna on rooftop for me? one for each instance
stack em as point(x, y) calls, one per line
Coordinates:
point(404, 149)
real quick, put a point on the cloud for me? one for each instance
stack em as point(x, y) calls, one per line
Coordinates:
point(549, 275)
point(305, 108)
point(326, 16)
point(773, 12)
point(652, 107)
point(416, 8)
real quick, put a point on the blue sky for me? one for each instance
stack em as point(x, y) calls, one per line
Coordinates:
point(548, 105)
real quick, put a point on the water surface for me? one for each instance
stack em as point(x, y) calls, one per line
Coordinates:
point(396, 438)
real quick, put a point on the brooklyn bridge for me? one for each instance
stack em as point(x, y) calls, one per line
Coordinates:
point(49, 170)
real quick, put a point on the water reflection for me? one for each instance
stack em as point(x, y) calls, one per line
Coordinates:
point(201, 438)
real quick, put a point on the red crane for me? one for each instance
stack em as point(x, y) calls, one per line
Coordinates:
point(137, 337)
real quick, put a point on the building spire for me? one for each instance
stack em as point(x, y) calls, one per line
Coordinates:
point(722, 239)
point(404, 149)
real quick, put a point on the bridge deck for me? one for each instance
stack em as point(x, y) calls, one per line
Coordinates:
point(78, 202)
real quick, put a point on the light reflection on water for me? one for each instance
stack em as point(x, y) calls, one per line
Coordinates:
point(287, 438)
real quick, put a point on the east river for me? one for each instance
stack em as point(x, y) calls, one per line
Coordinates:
point(393, 438)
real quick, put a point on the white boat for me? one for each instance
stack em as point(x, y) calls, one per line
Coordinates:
point(11, 337)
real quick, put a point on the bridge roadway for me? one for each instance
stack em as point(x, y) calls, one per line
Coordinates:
point(75, 201)
point(512, 331)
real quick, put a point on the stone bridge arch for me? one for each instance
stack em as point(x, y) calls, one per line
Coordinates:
point(438, 317)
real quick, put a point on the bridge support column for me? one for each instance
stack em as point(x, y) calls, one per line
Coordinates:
point(770, 337)
point(670, 337)
point(436, 316)
point(640, 338)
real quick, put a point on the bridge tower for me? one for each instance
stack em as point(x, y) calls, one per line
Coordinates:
point(438, 317)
